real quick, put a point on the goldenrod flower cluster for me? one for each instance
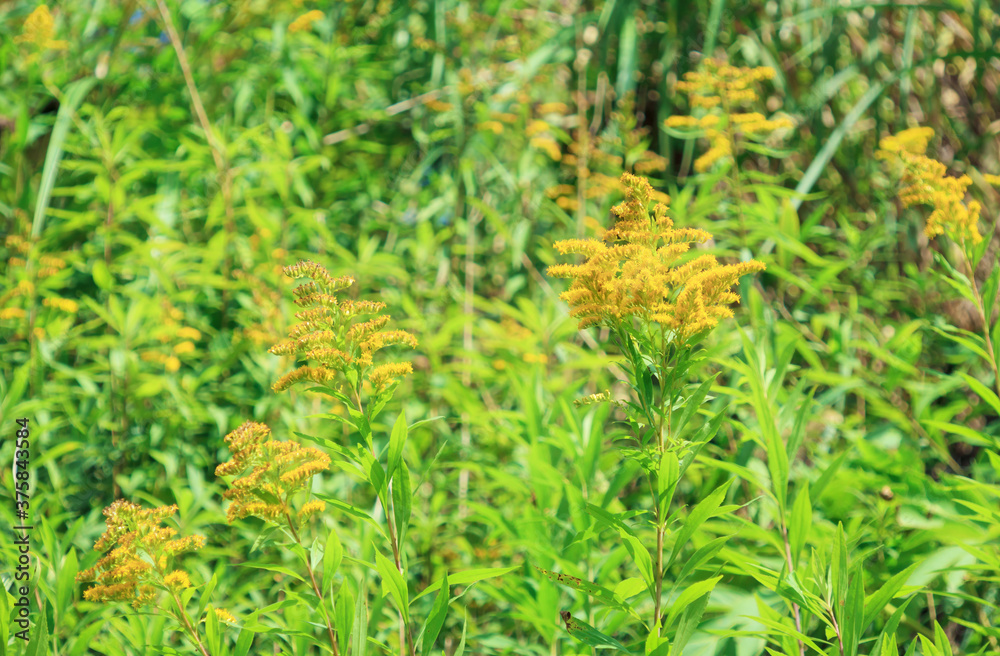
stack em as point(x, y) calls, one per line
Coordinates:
point(139, 552)
point(268, 473)
point(330, 335)
point(722, 89)
point(925, 182)
point(639, 272)
point(304, 22)
point(39, 28)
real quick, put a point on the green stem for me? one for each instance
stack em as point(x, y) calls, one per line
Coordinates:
point(405, 635)
point(982, 313)
point(186, 623)
point(315, 585)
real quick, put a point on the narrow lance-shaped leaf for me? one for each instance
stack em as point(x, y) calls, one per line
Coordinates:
point(393, 584)
point(435, 620)
point(333, 554)
point(709, 507)
point(397, 440)
point(589, 635)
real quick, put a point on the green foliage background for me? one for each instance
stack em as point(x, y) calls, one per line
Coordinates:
point(365, 143)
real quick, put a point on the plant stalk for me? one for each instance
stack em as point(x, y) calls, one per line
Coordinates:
point(316, 588)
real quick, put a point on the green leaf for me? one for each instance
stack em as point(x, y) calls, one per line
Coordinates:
point(828, 475)
point(212, 634)
point(402, 500)
point(829, 148)
point(460, 651)
point(73, 95)
point(641, 558)
point(705, 553)
point(692, 593)
point(693, 403)
point(589, 635)
point(985, 393)
point(941, 640)
point(777, 453)
point(38, 643)
point(629, 587)
point(271, 568)
point(838, 567)
point(244, 642)
point(876, 602)
point(666, 479)
point(333, 555)
point(889, 631)
point(397, 440)
point(466, 577)
point(709, 507)
point(102, 277)
point(343, 616)
point(688, 623)
point(67, 581)
point(393, 584)
point(591, 589)
point(353, 511)
point(801, 521)
point(206, 594)
point(853, 612)
point(359, 634)
point(435, 620)
point(376, 476)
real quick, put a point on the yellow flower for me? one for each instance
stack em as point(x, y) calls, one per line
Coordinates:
point(189, 333)
point(184, 347)
point(553, 108)
point(305, 21)
point(172, 364)
point(438, 105)
point(912, 140)
point(536, 127)
point(496, 127)
point(177, 580)
point(64, 304)
point(310, 508)
point(266, 468)
point(225, 616)
point(723, 90)
point(134, 540)
point(12, 313)
point(548, 146)
point(39, 29)
point(382, 376)
point(329, 335)
point(925, 182)
point(639, 274)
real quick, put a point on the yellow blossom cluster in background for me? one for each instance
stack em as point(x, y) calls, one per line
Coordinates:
point(39, 28)
point(304, 22)
point(268, 473)
point(140, 552)
point(723, 91)
point(595, 161)
point(925, 182)
point(46, 267)
point(330, 335)
point(640, 273)
point(178, 340)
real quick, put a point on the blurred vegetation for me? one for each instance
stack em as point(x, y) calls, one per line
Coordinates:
point(162, 160)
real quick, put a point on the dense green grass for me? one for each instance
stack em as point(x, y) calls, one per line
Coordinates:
point(158, 171)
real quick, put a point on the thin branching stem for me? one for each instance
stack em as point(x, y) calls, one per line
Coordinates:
point(980, 306)
point(315, 586)
point(186, 623)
